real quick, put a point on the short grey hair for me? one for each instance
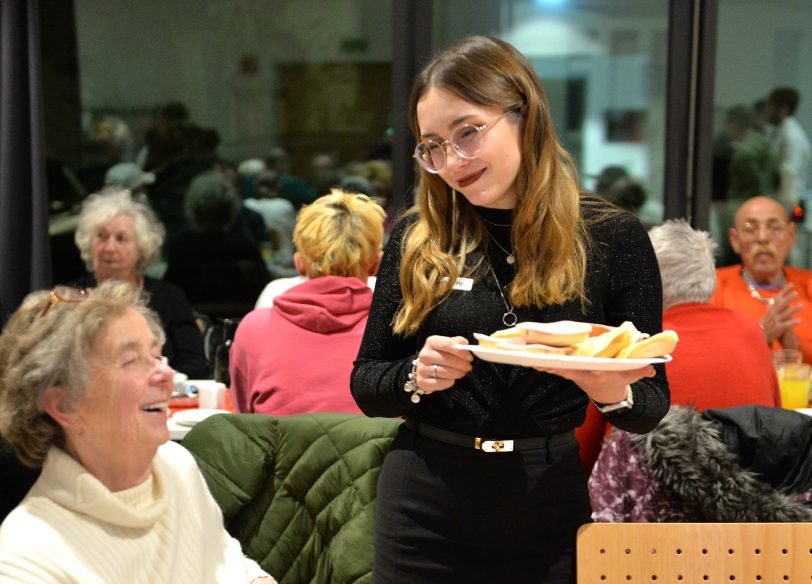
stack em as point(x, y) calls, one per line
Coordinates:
point(687, 263)
point(104, 206)
point(212, 203)
point(38, 351)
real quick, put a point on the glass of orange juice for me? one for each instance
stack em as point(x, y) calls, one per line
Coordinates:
point(794, 382)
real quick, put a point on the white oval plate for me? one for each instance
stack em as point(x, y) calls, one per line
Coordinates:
point(192, 416)
point(526, 359)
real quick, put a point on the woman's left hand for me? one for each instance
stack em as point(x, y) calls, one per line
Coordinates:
point(604, 387)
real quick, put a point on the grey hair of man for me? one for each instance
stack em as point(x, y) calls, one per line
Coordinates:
point(42, 348)
point(687, 264)
point(212, 203)
point(104, 206)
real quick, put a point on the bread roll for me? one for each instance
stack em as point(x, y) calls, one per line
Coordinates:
point(656, 346)
point(607, 344)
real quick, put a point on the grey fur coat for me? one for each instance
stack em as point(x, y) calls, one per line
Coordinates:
point(744, 464)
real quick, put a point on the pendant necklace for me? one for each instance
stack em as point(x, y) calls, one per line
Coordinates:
point(511, 259)
point(509, 318)
point(751, 287)
point(496, 224)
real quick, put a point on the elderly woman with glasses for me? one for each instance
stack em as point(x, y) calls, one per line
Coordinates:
point(483, 481)
point(118, 237)
point(84, 395)
point(763, 287)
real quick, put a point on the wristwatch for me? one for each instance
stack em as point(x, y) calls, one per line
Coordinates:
point(625, 404)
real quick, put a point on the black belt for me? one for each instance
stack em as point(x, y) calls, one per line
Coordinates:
point(487, 444)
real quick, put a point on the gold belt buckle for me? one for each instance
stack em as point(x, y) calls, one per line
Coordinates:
point(493, 445)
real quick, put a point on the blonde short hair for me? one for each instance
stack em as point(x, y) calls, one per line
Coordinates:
point(339, 234)
point(38, 351)
point(106, 205)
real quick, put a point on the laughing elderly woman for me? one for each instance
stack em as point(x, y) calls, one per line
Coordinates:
point(118, 238)
point(84, 394)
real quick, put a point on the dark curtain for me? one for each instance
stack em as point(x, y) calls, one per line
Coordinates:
point(24, 248)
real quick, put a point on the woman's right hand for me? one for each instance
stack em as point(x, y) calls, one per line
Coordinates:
point(440, 364)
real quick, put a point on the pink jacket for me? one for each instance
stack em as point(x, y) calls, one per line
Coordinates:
point(297, 356)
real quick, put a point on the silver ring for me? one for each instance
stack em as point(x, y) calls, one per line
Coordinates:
point(434, 371)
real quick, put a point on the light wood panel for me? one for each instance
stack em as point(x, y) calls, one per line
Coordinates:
point(766, 553)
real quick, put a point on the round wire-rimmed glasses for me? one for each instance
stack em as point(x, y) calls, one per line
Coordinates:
point(66, 294)
point(467, 141)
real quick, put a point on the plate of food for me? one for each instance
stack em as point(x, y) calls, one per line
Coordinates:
point(574, 345)
point(552, 361)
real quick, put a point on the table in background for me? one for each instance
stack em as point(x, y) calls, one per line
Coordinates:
point(179, 431)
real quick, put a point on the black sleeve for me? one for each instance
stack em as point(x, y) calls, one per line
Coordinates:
point(384, 358)
point(636, 295)
point(184, 343)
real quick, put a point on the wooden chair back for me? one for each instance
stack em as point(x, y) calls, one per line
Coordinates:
point(611, 553)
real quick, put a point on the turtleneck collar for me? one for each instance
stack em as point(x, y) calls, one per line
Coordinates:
point(495, 217)
point(68, 483)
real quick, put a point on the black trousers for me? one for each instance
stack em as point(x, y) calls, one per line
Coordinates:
point(449, 514)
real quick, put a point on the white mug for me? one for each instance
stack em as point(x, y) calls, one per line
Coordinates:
point(211, 394)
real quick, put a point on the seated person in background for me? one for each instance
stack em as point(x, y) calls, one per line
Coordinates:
point(249, 222)
point(297, 356)
point(84, 394)
point(279, 216)
point(291, 187)
point(118, 238)
point(777, 296)
point(128, 175)
point(721, 359)
point(279, 285)
point(734, 465)
point(616, 185)
point(212, 263)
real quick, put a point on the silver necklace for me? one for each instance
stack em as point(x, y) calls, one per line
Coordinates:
point(509, 318)
point(511, 259)
point(495, 224)
point(755, 293)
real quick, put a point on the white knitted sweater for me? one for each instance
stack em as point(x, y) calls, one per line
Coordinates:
point(71, 529)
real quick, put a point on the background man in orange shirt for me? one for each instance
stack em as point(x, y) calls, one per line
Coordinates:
point(762, 286)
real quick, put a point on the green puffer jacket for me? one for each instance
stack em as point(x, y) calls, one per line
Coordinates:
point(297, 491)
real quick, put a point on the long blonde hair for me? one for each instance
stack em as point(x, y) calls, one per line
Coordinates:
point(549, 236)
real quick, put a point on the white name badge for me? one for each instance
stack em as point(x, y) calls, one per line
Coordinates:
point(464, 284)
